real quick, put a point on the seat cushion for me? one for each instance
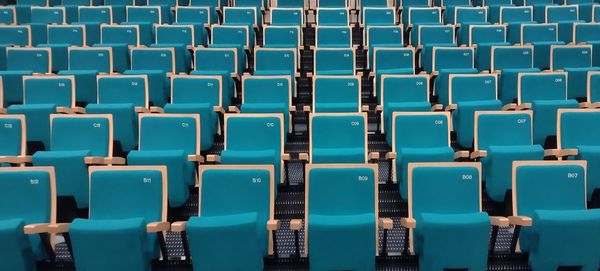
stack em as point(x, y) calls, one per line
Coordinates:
point(508, 84)
point(338, 155)
point(86, 87)
point(390, 108)
point(16, 249)
point(410, 155)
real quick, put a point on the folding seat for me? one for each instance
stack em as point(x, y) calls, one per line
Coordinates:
point(166, 8)
point(180, 38)
point(243, 227)
point(60, 38)
point(247, 16)
point(484, 37)
point(542, 37)
point(135, 231)
point(380, 37)
point(200, 18)
point(92, 17)
point(576, 60)
point(402, 93)
point(259, 5)
point(333, 36)
point(468, 94)
point(122, 96)
point(447, 61)
point(514, 17)
point(28, 205)
point(286, 16)
point(119, 9)
point(449, 228)
point(254, 139)
point(509, 61)
point(593, 90)
point(282, 36)
point(565, 17)
point(556, 228)
point(336, 94)
point(388, 61)
point(332, 225)
point(72, 8)
point(375, 16)
point(84, 64)
point(276, 62)
point(333, 16)
point(588, 33)
point(430, 35)
point(158, 64)
point(21, 62)
point(268, 94)
point(239, 37)
point(428, 140)
point(120, 38)
point(544, 93)
point(435, 57)
point(412, 17)
point(219, 62)
point(334, 61)
point(41, 17)
point(502, 137)
point(8, 15)
point(42, 96)
point(13, 35)
point(450, 6)
point(144, 18)
point(463, 17)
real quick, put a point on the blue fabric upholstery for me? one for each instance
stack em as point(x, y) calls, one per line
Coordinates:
point(338, 139)
point(340, 94)
point(11, 136)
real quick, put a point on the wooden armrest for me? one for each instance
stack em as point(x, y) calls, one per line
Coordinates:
point(435, 73)
point(233, 109)
point(158, 226)
point(156, 109)
point(585, 105)
point(295, 224)
point(386, 223)
point(15, 159)
point(292, 108)
point(379, 108)
point(595, 105)
point(478, 154)
point(306, 108)
point(179, 226)
point(213, 158)
point(524, 106)
point(70, 110)
point(273, 224)
point(141, 109)
point(94, 160)
point(286, 157)
point(520, 221)
point(2, 110)
point(511, 106)
point(560, 153)
point(499, 221)
point(303, 156)
point(461, 154)
point(219, 109)
point(59, 228)
point(196, 158)
point(373, 155)
point(36, 228)
point(390, 155)
point(437, 107)
point(364, 108)
point(408, 222)
point(451, 107)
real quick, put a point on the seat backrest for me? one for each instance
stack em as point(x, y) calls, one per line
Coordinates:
point(393, 58)
point(404, 88)
point(48, 15)
point(281, 36)
point(596, 13)
point(453, 58)
point(542, 86)
point(555, 14)
point(275, 60)
point(267, 89)
point(516, 14)
point(235, 35)
point(333, 36)
point(472, 87)
point(585, 32)
point(414, 3)
point(486, 34)
point(36, 60)
point(288, 4)
point(373, 3)
point(503, 128)
point(174, 34)
point(120, 89)
point(28, 193)
point(593, 86)
point(570, 56)
point(240, 15)
point(470, 14)
point(216, 59)
point(333, 16)
point(56, 90)
point(13, 135)
point(379, 16)
point(492, 3)
point(95, 14)
point(511, 57)
point(160, 132)
point(19, 35)
point(548, 185)
point(162, 59)
point(435, 34)
point(73, 35)
point(539, 32)
point(196, 89)
point(428, 130)
point(91, 58)
point(343, 90)
point(254, 132)
point(8, 15)
point(90, 132)
point(143, 189)
point(145, 14)
point(578, 127)
point(338, 130)
point(329, 61)
point(206, 3)
point(120, 34)
point(39, 3)
point(164, 3)
point(384, 36)
point(287, 16)
point(424, 15)
point(194, 15)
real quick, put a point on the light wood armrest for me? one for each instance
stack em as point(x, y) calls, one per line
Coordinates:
point(478, 154)
point(379, 108)
point(273, 224)
point(70, 110)
point(451, 107)
point(59, 228)
point(15, 159)
point(511, 106)
point(373, 155)
point(520, 221)
point(141, 109)
point(303, 156)
point(364, 108)
point(560, 153)
point(2, 110)
point(286, 157)
point(524, 106)
point(461, 154)
point(386, 223)
point(292, 108)
point(213, 158)
point(390, 155)
point(360, 74)
point(179, 226)
point(233, 109)
point(435, 73)
point(219, 109)
point(585, 105)
point(595, 105)
point(196, 158)
point(158, 226)
point(499, 221)
point(437, 107)
point(295, 224)
point(156, 109)
point(306, 108)
point(36, 228)
point(408, 222)
point(94, 160)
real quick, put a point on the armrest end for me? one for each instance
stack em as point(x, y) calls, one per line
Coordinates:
point(303, 156)
point(213, 158)
point(196, 158)
point(461, 154)
point(179, 226)
point(499, 221)
point(520, 221)
point(478, 154)
point(273, 225)
point(408, 222)
point(59, 228)
point(36, 228)
point(390, 155)
point(156, 109)
point(158, 226)
point(295, 224)
point(386, 223)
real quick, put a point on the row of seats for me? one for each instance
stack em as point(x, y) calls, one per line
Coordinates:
point(447, 226)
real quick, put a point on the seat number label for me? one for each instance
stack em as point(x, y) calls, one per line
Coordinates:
point(363, 178)
point(147, 180)
point(572, 175)
point(467, 177)
point(34, 181)
point(256, 180)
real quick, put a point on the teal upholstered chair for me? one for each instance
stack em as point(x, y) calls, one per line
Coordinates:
point(502, 137)
point(334, 61)
point(92, 17)
point(119, 38)
point(448, 61)
point(21, 62)
point(450, 230)
point(550, 209)
point(172, 140)
point(333, 36)
point(85, 63)
point(268, 94)
point(336, 94)
point(197, 17)
point(542, 37)
point(277, 61)
point(27, 207)
point(145, 17)
point(333, 16)
point(221, 62)
point(510, 61)
point(391, 61)
point(593, 89)
point(157, 64)
point(115, 231)
point(60, 38)
point(338, 138)
point(13, 139)
point(237, 236)
point(576, 60)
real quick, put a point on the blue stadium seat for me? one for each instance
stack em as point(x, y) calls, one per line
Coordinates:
point(277, 61)
point(240, 37)
point(464, 17)
point(287, 16)
point(336, 94)
point(246, 16)
point(338, 138)
point(509, 61)
point(542, 37)
point(484, 37)
point(157, 64)
point(120, 38)
point(380, 37)
point(334, 61)
point(327, 16)
point(8, 15)
point(298, 4)
point(514, 17)
point(41, 17)
point(21, 62)
point(218, 61)
point(565, 17)
point(60, 38)
point(92, 17)
point(447, 61)
point(589, 33)
point(593, 89)
point(412, 17)
point(288, 36)
point(13, 35)
point(13, 135)
point(268, 94)
point(430, 35)
point(144, 17)
point(576, 60)
point(373, 16)
point(450, 8)
point(181, 38)
point(333, 37)
point(391, 61)
point(199, 17)
point(85, 63)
